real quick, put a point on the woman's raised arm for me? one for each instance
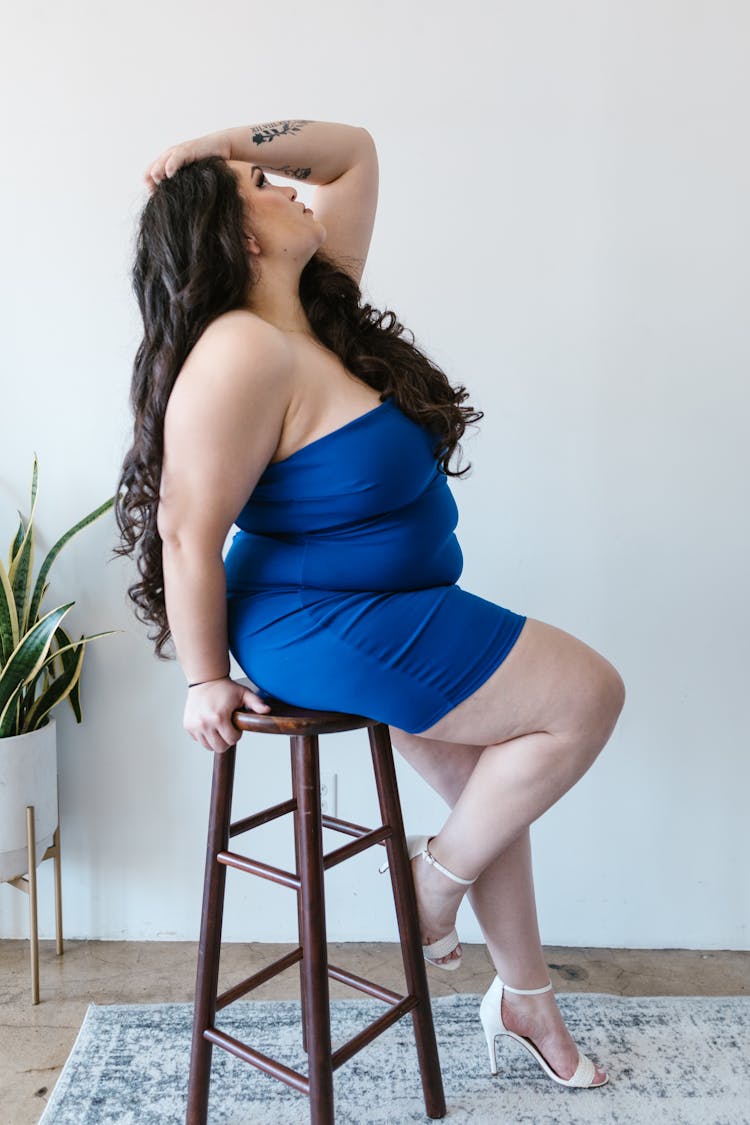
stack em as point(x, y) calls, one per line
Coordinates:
point(341, 159)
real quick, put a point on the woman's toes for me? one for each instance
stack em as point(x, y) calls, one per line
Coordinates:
point(454, 955)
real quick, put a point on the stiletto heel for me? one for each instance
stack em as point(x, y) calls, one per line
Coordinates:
point(492, 1048)
point(444, 946)
point(490, 1013)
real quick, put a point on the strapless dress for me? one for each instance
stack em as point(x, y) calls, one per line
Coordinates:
point(342, 577)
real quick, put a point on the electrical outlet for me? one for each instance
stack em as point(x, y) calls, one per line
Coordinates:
point(328, 793)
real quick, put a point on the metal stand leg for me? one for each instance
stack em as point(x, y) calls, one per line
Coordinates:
point(33, 915)
point(57, 857)
point(58, 892)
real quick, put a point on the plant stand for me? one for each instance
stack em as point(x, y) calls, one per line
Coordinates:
point(27, 884)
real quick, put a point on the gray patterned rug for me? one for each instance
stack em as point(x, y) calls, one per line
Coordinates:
point(672, 1060)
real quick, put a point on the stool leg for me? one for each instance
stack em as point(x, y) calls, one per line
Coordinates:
point(207, 979)
point(408, 921)
point(300, 911)
point(306, 773)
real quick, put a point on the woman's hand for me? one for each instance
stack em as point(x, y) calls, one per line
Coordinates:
point(208, 712)
point(212, 144)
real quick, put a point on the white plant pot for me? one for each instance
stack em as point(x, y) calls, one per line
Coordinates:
point(28, 776)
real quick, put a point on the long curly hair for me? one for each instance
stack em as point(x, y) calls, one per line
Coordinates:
point(190, 267)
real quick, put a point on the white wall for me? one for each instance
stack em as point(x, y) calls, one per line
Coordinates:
point(563, 224)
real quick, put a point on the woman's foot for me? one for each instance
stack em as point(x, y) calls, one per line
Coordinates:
point(539, 1019)
point(438, 900)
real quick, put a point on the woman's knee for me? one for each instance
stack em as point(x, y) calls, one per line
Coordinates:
point(549, 682)
point(597, 707)
point(617, 690)
point(612, 693)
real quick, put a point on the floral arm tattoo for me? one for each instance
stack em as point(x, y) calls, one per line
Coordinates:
point(271, 129)
point(263, 134)
point(292, 173)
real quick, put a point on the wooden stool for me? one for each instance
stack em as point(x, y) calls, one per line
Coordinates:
point(303, 728)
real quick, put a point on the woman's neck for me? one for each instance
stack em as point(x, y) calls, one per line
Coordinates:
point(277, 300)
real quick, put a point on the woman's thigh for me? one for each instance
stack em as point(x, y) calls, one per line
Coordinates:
point(549, 681)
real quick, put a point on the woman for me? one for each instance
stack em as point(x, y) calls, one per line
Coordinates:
point(265, 395)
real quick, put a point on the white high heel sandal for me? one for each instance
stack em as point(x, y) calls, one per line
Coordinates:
point(444, 946)
point(490, 1013)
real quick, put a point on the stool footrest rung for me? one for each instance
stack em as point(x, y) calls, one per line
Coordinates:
point(343, 1054)
point(346, 851)
point(262, 817)
point(255, 867)
point(292, 1077)
point(247, 1054)
point(336, 824)
point(259, 978)
point(377, 991)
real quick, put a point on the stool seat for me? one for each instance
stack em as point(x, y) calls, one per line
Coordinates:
point(283, 718)
point(304, 727)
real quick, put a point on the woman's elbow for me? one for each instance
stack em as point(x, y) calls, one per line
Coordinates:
point(187, 536)
point(167, 525)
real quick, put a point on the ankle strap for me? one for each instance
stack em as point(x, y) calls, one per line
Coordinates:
point(527, 991)
point(429, 857)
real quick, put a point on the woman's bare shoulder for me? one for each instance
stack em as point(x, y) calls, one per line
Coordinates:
point(241, 364)
point(243, 327)
point(239, 346)
point(226, 411)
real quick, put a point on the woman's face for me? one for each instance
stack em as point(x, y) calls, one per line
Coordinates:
point(281, 227)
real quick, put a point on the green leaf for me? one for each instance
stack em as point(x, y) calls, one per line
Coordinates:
point(10, 721)
point(29, 655)
point(55, 551)
point(21, 567)
point(37, 608)
point(75, 644)
point(16, 544)
point(8, 617)
point(34, 481)
point(60, 640)
point(69, 654)
point(20, 576)
point(58, 690)
point(54, 666)
point(24, 700)
point(63, 640)
point(15, 718)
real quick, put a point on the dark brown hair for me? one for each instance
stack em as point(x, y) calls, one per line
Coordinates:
point(190, 267)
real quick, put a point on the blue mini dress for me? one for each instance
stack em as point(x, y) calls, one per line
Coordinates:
point(342, 587)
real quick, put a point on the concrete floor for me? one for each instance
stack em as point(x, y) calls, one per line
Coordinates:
point(36, 1040)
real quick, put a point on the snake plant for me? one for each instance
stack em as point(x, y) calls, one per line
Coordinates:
point(39, 664)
